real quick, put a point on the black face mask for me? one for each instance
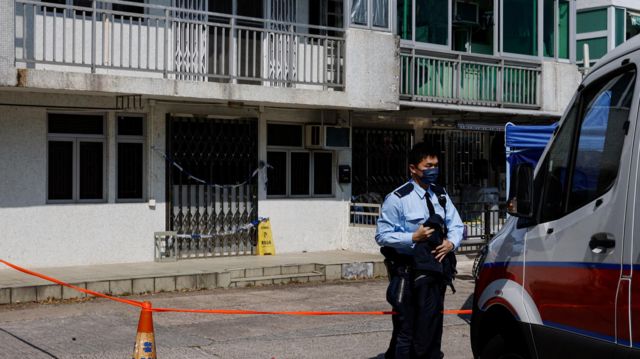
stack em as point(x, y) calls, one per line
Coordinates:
point(430, 175)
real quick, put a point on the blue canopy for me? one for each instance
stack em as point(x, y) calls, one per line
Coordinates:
point(525, 144)
point(528, 137)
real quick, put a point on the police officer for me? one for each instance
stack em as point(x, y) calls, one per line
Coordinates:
point(416, 292)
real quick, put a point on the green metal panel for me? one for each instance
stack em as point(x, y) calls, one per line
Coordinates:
point(597, 48)
point(591, 20)
point(434, 78)
point(478, 82)
point(620, 19)
point(520, 86)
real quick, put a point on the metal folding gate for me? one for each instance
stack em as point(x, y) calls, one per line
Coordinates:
point(223, 153)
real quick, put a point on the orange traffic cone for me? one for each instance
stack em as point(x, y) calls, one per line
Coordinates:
point(145, 347)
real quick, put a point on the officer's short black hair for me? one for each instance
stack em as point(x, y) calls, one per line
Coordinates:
point(421, 150)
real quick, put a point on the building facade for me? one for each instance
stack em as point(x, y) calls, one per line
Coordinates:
point(125, 118)
point(603, 25)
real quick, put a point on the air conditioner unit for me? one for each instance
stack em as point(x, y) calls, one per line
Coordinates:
point(314, 136)
point(329, 137)
point(466, 12)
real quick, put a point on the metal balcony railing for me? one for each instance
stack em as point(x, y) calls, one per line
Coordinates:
point(481, 220)
point(364, 214)
point(455, 78)
point(184, 43)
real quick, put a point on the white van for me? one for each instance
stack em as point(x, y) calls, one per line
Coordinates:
point(561, 279)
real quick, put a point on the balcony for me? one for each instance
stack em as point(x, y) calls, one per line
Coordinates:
point(466, 79)
point(122, 38)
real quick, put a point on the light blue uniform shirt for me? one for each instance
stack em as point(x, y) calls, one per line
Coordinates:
point(402, 215)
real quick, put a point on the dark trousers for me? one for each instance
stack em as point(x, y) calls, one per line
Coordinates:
point(418, 300)
point(428, 294)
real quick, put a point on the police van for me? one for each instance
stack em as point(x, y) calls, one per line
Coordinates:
point(562, 277)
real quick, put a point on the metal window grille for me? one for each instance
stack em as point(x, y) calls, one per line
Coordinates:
point(379, 162)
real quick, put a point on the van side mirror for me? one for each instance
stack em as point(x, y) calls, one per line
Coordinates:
point(521, 193)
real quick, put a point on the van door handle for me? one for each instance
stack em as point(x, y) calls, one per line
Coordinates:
point(601, 241)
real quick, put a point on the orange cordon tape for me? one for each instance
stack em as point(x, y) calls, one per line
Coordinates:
point(87, 291)
point(457, 311)
point(206, 311)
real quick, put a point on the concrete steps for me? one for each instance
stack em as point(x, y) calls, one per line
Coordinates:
point(202, 279)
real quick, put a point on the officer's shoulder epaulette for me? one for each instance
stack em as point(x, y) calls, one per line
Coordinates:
point(404, 190)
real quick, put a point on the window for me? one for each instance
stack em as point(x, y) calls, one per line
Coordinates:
point(633, 24)
point(597, 48)
point(322, 177)
point(555, 168)
point(591, 21)
point(130, 157)
point(299, 173)
point(520, 24)
point(296, 172)
point(284, 135)
point(277, 175)
point(564, 30)
point(473, 26)
point(430, 23)
point(597, 122)
point(405, 19)
point(370, 13)
point(591, 29)
point(601, 138)
point(325, 13)
point(549, 19)
point(76, 158)
point(556, 35)
point(620, 24)
point(359, 12)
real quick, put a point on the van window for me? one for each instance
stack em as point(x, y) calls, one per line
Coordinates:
point(555, 168)
point(592, 135)
point(601, 138)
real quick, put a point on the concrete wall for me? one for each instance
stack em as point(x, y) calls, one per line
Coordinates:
point(35, 233)
point(305, 224)
point(559, 83)
point(7, 48)
point(361, 239)
point(40, 234)
point(373, 67)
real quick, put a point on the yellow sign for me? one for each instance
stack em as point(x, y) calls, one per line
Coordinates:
point(265, 239)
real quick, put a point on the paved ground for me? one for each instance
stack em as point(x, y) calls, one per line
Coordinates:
point(104, 329)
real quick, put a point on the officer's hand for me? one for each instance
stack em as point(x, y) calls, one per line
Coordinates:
point(422, 233)
point(442, 250)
